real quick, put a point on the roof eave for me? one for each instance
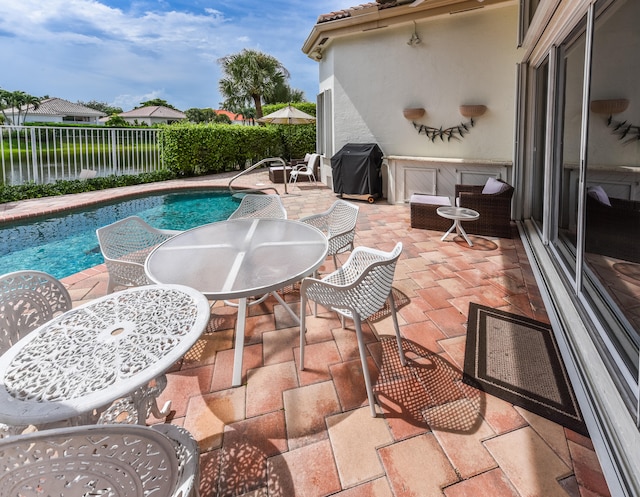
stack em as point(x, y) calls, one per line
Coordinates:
point(390, 16)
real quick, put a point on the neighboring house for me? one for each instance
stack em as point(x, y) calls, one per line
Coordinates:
point(56, 110)
point(153, 114)
point(235, 118)
point(558, 80)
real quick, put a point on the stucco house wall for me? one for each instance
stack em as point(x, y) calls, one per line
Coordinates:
point(467, 58)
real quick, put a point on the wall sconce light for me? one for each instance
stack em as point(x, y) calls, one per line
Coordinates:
point(609, 107)
point(413, 113)
point(316, 54)
point(622, 129)
point(415, 39)
point(472, 111)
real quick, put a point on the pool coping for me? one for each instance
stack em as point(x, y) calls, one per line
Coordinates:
point(11, 212)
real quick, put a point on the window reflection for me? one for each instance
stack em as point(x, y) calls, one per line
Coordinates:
point(612, 228)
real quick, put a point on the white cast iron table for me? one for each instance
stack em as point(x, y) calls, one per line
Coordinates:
point(73, 367)
point(458, 214)
point(239, 259)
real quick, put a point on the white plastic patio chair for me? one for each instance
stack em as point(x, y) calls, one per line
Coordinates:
point(28, 299)
point(256, 205)
point(356, 291)
point(305, 169)
point(338, 223)
point(108, 460)
point(125, 245)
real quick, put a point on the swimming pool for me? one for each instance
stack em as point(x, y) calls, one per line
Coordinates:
point(67, 244)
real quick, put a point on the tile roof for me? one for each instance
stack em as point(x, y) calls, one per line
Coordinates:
point(155, 111)
point(357, 9)
point(60, 107)
point(231, 115)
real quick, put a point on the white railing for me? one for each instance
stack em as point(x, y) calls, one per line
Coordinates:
point(44, 154)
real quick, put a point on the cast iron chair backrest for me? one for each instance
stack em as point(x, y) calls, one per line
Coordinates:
point(28, 299)
point(114, 460)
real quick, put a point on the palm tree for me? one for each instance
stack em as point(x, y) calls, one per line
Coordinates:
point(283, 93)
point(17, 101)
point(249, 77)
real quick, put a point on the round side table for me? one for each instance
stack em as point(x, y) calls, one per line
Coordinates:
point(458, 214)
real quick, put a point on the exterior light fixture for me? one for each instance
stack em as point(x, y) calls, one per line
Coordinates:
point(610, 106)
point(413, 113)
point(415, 39)
point(472, 110)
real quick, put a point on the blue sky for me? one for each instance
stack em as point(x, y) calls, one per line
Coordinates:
point(125, 52)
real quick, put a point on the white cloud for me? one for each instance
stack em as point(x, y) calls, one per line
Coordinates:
point(118, 51)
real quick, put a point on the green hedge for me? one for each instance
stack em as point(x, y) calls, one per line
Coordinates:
point(63, 187)
point(192, 149)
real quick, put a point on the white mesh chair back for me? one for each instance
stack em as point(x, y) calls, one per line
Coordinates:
point(108, 460)
point(28, 299)
point(338, 223)
point(356, 291)
point(305, 169)
point(255, 205)
point(125, 246)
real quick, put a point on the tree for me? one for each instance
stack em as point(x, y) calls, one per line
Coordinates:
point(116, 121)
point(283, 93)
point(250, 76)
point(19, 102)
point(102, 107)
point(156, 101)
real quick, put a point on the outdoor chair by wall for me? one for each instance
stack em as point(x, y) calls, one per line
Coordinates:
point(494, 209)
point(125, 245)
point(305, 169)
point(255, 205)
point(114, 460)
point(338, 223)
point(356, 291)
point(28, 299)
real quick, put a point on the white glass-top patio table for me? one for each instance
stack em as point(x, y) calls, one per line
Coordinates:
point(457, 214)
point(72, 368)
point(239, 259)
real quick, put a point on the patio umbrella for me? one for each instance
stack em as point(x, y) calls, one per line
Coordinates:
point(288, 115)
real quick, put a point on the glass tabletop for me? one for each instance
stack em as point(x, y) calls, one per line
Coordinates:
point(239, 258)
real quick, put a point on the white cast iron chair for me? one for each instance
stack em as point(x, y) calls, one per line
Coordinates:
point(256, 205)
point(108, 460)
point(125, 246)
point(28, 299)
point(338, 223)
point(305, 169)
point(356, 291)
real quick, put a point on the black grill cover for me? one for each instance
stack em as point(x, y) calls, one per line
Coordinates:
point(356, 169)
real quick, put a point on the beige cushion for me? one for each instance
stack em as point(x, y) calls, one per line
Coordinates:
point(493, 186)
point(418, 198)
point(599, 194)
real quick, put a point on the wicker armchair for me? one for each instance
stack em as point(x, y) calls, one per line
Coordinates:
point(612, 230)
point(494, 210)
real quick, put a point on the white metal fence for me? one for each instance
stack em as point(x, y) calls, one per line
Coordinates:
point(44, 154)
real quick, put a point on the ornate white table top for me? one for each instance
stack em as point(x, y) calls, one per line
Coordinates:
point(98, 352)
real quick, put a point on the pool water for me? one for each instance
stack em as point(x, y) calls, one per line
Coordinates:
point(67, 244)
